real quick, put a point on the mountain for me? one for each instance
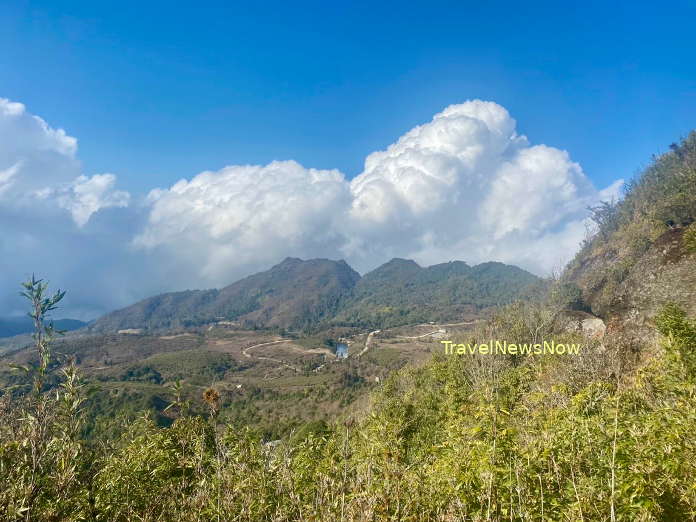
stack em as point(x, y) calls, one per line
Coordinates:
point(11, 326)
point(292, 294)
point(304, 294)
point(402, 292)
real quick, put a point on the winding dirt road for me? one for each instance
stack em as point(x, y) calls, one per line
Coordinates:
point(441, 330)
point(367, 342)
point(246, 353)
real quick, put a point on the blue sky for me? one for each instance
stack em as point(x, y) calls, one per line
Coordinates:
point(338, 130)
point(157, 91)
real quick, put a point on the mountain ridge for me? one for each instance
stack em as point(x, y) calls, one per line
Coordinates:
point(12, 326)
point(301, 294)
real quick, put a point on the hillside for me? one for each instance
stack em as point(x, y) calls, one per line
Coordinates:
point(643, 254)
point(292, 294)
point(402, 292)
point(316, 293)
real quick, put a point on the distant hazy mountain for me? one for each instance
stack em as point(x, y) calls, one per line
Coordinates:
point(294, 293)
point(300, 294)
point(10, 326)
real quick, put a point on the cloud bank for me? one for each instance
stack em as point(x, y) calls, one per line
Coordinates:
point(464, 186)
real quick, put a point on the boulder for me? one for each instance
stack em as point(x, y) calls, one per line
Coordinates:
point(583, 322)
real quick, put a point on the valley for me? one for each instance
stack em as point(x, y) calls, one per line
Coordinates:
point(274, 383)
point(302, 343)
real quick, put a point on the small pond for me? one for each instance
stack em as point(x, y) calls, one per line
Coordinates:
point(341, 350)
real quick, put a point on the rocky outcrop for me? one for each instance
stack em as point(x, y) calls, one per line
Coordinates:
point(665, 272)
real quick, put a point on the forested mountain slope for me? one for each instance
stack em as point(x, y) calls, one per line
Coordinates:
point(299, 294)
point(292, 294)
point(402, 292)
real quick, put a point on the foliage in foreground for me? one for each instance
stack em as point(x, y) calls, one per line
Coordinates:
point(463, 438)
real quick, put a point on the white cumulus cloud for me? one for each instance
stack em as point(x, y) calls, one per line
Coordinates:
point(243, 216)
point(32, 154)
point(465, 185)
point(86, 195)
point(7, 177)
point(38, 168)
point(47, 206)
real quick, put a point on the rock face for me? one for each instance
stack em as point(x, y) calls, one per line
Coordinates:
point(665, 272)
